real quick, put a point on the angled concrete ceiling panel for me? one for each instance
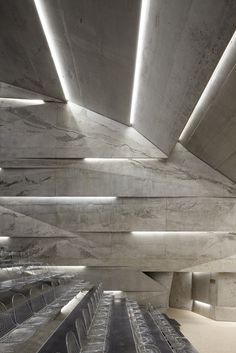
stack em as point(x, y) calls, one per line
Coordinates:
point(184, 41)
point(25, 59)
point(96, 41)
point(212, 135)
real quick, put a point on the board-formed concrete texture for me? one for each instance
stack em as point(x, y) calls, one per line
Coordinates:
point(25, 58)
point(68, 131)
point(181, 291)
point(172, 251)
point(182, 175)
point(121, 214)
point(184, 40)
point(96, 41)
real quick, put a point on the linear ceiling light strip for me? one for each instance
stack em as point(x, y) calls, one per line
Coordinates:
point(139, 55)
point(43, 16)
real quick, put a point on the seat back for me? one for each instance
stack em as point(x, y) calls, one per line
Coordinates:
point(36, 300)
point(93, 302)
point(72, 344)
point(48, 293)
point(86, 318)
point(21, 308)
point(81, 331)
point(6, 321)
point(90, 310)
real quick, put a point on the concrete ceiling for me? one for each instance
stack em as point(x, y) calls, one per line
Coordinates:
point(96, 41)
point(212, 133)
point(91, 211)
point(25, 59)
point(184, 41)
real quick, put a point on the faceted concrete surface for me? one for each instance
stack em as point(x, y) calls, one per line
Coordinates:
point(191, 205)
point(181, 175)
point(68, 131)
point(25, 59)
point(217, 293)
point(181, 291)
point(146, 252)
point(96, 41)
point(184, 41)
point(121, 214)
point(212, 136)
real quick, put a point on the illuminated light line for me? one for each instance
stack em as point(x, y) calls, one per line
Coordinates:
point(202, 304)
point(4, 238)
point(22, 100)
point(52, 47)
point(54, 199)
point(119, 159)
point(57, 197)
point(115, 292)
point(138, 64)
point(105, 159)
point(177, 232)
point(226, 62)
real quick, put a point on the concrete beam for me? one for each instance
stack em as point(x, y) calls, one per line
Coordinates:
point(182, 175)
point(22, 215)
point(68, 131)
point(172, 251)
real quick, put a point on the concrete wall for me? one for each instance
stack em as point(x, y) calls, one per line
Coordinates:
point(214, 295)
point(225, 309)
point(181, 291)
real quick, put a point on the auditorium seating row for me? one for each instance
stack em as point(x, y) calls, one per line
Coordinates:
point(92, 327)
point(21, 276)
point(143, 338)
point(177, 342)
point(20, 322)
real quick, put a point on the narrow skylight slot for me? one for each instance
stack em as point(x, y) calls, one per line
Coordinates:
point(43, 16)
point(138, 64)
point(212, 86)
